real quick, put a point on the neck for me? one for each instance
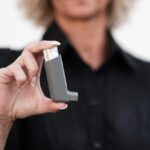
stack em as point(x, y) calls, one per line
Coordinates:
point(88, 36)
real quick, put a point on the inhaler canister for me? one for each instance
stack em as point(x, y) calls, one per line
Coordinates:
point(56, 77)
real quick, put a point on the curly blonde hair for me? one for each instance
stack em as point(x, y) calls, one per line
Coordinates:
point(40, 11)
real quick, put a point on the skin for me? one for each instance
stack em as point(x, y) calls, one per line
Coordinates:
point(89, 21)
point(21, 95)
point(79, 9)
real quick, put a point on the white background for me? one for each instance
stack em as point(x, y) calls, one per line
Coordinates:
point(134, 36)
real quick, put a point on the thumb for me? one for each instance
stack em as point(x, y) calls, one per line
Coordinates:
point(48, 106)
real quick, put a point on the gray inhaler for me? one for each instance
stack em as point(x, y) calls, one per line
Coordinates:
point(56, 77)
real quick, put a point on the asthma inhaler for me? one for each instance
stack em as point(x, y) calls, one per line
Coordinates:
point(56, 77)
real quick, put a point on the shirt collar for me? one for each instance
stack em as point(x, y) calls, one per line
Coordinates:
point(55, 33)
point(116, 50)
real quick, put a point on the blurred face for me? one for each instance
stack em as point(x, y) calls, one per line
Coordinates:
point(79, 9)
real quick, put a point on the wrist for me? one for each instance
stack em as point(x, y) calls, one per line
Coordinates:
point(5, 127)
point(5, 122)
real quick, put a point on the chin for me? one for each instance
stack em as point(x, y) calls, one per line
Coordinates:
point(82, 14)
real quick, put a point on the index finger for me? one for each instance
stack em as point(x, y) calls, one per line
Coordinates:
point(38, 47)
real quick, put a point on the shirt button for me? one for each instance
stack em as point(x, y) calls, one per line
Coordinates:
point(97, 145)
point(93, 102)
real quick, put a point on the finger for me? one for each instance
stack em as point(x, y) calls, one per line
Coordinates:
point(40, 46)
point(19, 74)
point(30, 65)
point(37, 48)
point(48, 105)
point(12, 72)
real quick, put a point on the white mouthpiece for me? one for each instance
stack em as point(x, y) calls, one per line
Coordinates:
point(51, 53)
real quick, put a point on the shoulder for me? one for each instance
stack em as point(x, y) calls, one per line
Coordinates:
point(139, 64)
point(141, 68)
point(7, 56)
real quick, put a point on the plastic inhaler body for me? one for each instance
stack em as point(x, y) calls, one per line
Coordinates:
point(56, 77)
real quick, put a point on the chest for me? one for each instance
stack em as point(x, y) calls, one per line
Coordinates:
point(113, 112)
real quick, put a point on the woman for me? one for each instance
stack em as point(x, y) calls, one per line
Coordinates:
point(113, 108)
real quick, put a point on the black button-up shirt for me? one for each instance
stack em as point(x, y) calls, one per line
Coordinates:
point(113, 111)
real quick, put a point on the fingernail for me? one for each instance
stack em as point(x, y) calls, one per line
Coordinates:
point(64, 107)
point(34, 80)
point(56, 43)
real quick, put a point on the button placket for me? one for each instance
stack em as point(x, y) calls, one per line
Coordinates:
point(93, 102)
point(97, 145)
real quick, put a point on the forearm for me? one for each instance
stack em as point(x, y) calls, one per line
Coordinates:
point(5, 127)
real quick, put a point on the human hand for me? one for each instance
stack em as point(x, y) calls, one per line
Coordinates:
point(20, 91)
